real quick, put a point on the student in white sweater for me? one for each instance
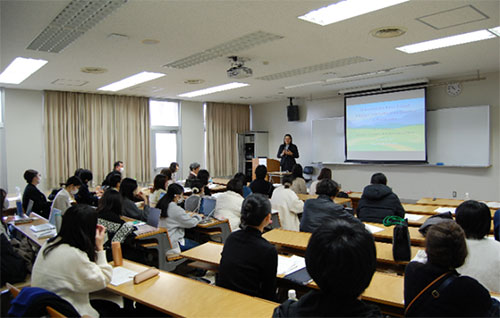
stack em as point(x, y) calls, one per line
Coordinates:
point(62, 201)
point(73, 264)
point(483, 259)
point(160, 185)
point(288, 205)
point(228, 204)
point(175, 219)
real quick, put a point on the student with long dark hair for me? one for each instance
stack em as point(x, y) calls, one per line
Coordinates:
point(298, 182)
point(260, 185)
point(175, 219)
point(168, 174)
point(73, 263)
point(62, 201)
point(84, 196)
point(159, 189)
point(249, 262)
point(131, 194)
point(325, 173)
point(31, 192)
point(246, 190)
point(204, 176)
point(287, 152)
point(174, 168)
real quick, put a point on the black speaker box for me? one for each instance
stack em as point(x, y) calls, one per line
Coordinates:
point(292, 112)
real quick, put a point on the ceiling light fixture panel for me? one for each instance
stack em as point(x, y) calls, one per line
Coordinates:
point(227, 48)
point(214, 89)
point(131, 81)
point(74, 20)
point(346, 9)
point(20, 69)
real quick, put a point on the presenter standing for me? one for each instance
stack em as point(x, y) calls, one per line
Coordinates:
point(287, 152)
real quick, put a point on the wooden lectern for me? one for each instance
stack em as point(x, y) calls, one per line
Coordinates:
point(271, 164)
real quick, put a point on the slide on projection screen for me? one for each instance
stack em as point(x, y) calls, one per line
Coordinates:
point(386, 127)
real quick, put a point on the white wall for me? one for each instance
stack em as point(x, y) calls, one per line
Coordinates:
point(192, 135)
point(409, 182)
point(23, 135)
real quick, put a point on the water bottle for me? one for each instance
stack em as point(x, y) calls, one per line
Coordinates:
point(292, 295)
point(19, 204)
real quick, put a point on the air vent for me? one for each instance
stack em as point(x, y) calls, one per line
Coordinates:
point(388, 32)
point(93, 70)
point(68, 82)
point(315, 68)
point(194, 81)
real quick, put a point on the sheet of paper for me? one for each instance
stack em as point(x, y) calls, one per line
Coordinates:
point(412, 217)
point(212, 186)
point(122, 275)
point(287, 265)
point(493, 205)
point(45, 234)
point(263, 161)
point(373, 228)
point(274, 211)
point(445, 209)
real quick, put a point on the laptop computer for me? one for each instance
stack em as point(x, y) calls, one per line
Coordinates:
point(153, 217)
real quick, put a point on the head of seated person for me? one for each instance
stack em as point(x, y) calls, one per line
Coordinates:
point(327, 187)
point(241, 176)
point(325, 173)
point(110, 202)
point(175, 194)
point(114, 182)
point(85, 175)
point(73, 184)
point(255, 211)
point(236, 186)
point(167, 173)
point(194, 168)
point(197, 186)
point(445, 245)
point(286, 181)
point(174, 167)
point(129, 189)
point(474, 218)
point(160, 182)
point(349, 250)
point(297, 171)
point(378, 178)
point(32, 177)
point(204, 176)
point(260, 172)
point(118, 166)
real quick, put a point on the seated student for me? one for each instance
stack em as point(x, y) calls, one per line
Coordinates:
point(246, 190)
point(325, 173)
point(175, 219)
point(204, 176)
point(159, 189)
point(62, 201)
point(167, 173)
point(446, 292)
point(316, 211)
point(260, 185)
point(228, 204)
point(288, 205)
point(378, 201)
point(341, 259)
point(117, 230)
point(31, 192)
point(298, 183)
point(193, 202)
point(249, 262)
point(118, 169)
point(114, 182)
point(84, 196)
point(174, 168)
point(73, 264)
point(130, 194)
point(483, 259)
point(194, 168)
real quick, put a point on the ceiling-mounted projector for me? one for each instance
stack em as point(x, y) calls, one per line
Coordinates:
point(238, 69)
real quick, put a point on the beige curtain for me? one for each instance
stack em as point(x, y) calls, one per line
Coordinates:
point(92, 131)
point(224, 122)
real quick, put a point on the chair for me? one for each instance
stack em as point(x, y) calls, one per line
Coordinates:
point(308, 172)
point(33, 302)
point(54, 313)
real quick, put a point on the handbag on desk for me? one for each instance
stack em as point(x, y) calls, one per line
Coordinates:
point(401, 245)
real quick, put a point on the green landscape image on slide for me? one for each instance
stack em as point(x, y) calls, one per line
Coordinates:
point(406, 138)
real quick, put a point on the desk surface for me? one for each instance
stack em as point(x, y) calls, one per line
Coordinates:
point(183, 297)
point(341, 201)
point(26, 230)
point(416, 237)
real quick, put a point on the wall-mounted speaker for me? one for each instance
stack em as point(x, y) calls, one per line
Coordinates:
point(292, 112)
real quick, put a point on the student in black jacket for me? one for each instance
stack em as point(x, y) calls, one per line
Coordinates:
point(260, 185)
point(316, 211)
point(447, 294)
point(378, 201)
point(31, 192)
point(249, 262)
point(84, 196)
point(341, 259)
point(118, 168)
point(287, 152)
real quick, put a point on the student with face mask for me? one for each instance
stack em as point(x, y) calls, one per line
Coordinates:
point(31, 192)
point(175, 219)
point(130, 193)
point(62, 201)
point(118, 169)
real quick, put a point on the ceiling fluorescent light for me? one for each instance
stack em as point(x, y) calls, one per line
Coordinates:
point(20, 69)
point(214, 89)
point(346, 9)
point(131, 81)
point(447, 41)
point(495, 31)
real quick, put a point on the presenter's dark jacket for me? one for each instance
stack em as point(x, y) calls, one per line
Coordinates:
point(249, 264)
point(377, 202)
point(107, 180)
point(287, 162)
point(84, 196)
point(40, 204)
point(319, 209)
point(262, 186)
point(318, 304)
point(463, 297)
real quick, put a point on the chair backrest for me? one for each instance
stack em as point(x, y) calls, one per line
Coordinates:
point(13, 290)
point(54, 313)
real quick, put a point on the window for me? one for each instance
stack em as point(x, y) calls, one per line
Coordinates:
point(165, 133)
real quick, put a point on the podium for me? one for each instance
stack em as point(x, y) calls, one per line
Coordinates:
point(271, 164)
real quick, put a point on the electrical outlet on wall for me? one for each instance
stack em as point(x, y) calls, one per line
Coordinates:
point(454, 194)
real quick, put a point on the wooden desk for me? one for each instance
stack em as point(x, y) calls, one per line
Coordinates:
point(385, 235)
point(276, 174)
point(441, 202)
point(341, 201)
point(355, 197)
point(219, 225)
point(297, 242)
point(183, 297)
point(221, 181)
point(25, 229)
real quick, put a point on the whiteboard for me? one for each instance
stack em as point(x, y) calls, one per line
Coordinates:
point(457, 136)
